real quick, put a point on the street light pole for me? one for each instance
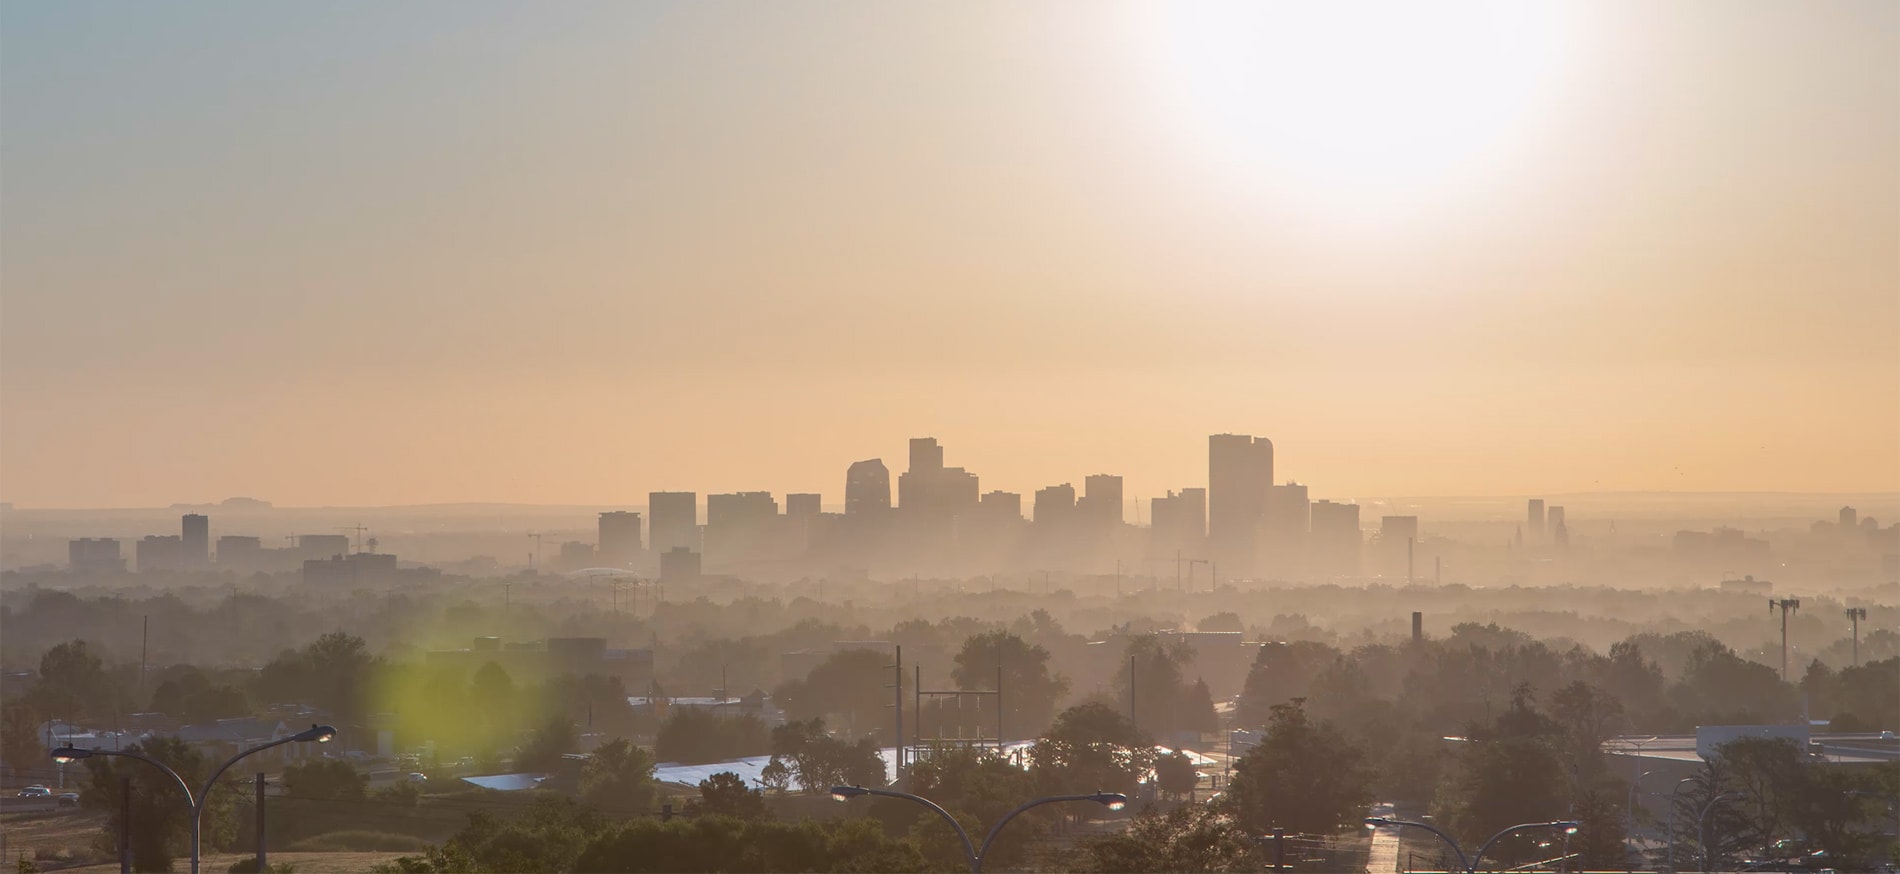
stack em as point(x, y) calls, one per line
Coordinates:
point(1674, 799)
point(316, 733)
point(1470, 866)
point(1629, 817)
point(972, 853)
point(1702, 826)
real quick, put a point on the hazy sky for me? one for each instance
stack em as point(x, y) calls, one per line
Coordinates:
point(368, 253)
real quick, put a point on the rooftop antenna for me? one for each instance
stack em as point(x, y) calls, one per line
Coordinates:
point(359, 529)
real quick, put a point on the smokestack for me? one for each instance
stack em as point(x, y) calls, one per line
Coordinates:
point(1418, 627)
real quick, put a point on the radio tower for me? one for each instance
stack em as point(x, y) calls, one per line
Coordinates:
point(1787, 605)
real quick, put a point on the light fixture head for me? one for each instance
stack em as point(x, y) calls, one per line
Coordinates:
point(1373, 822)
point(1111, 800)
point(322, 734)
point(846, 793)
point(67, 755)
point(1570, 828)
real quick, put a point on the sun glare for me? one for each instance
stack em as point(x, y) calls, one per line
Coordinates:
point(1362, 108)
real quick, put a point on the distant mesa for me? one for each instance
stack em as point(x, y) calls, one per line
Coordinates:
point(227, 504)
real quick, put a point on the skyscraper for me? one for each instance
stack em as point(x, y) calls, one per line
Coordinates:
point(1100, 507)
point(1535, 520)
point(1178, 523)
point(1287, 522)
point(1336, 541)
point(673, 520)
point(867, 488)
point(804, 505)
point(1054, 506)
point(1239, 477)
point(94, 555)
point(1849, 518)
point(1559, 533)
point(619, 539)
point(197, 540)
point(929, 494)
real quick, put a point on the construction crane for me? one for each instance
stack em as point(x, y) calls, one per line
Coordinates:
point(359, 534)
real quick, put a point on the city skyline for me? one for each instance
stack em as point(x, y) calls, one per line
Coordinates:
point(1614, 250)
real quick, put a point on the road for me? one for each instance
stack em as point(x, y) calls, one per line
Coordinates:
point(1383, 858)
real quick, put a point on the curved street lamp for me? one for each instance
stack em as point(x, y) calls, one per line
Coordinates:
point(971, 852)
point(1470, 866)
point(315, 733)
point(1702, 825)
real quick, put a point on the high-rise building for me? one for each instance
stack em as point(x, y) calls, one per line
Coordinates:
point(1054, 506)
point(867, 488)
point(155, 553)
point(672, 521)
point(576, 555)
point(1535, 518)
point(240, 551)
point(1849, 518)
point(1287, 521)
point(930, 495)
point(197, 539)
point(803, 505)
point(740, 526)
point(619, 539)
point(1559, 533)
point(1239, 477)
point(678, 564)
point(1178, 522)
point(1398, 541)
point(1336, 542)
point(1100, 506)
point(94, 555)
point(1002, 505)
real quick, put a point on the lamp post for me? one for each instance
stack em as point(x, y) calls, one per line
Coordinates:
point(971, 852)
point(1702, 825)
point(1674, 803)
point(316, 733)
point(1629, 820)
point(1470, 866)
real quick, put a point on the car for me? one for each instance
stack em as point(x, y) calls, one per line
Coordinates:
point(1886, 735)
point(36, 791)
point(68, 799)
point(418, 777)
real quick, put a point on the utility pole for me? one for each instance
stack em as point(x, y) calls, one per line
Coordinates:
point(1787, 606)
point(263, 860)
point(897, 707)
point(1855, 615)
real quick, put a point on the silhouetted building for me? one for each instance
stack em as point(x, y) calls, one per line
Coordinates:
point(1398, 539)
point(1002, 505)
point(740, 526)
point(1100, 507)
point(349, 571)
point(156, 553)
point(1054, 506)
point(321, 546)
point(1849, 518)
point(576, 555)
point(94, 555)
point(1239, 476)
point(197, 539)
point(804, 505)
point(1178, 522)
point(928, 490)
point(673, 520)
point(1284, 531)
point(1336, 541)
point(867, 488)
point(679, 564)
point(239, 550)
point(619, 536)
point(1559, 533)
point(1534, 519)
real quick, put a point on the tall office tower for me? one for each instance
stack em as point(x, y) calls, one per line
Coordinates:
point(197, 537)
point(1239, 477)
point(94, 555)
point(1288, 518)
point(236, 550)
point(740, 526)
point(1336, 542)
point(930, 494)
point(1536, 518)
point(1559, 533)
point(1398, 542)
point(1100, 507)
point(1001, 505)
point(619, 539)
point(1054, 506)
point(1849, 518)
point(867, 487)
point(1177, 523)
point(672, 520)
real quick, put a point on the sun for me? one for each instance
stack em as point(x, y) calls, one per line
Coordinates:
point(1360, 108)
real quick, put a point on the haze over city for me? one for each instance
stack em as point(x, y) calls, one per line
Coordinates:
point(836, 436)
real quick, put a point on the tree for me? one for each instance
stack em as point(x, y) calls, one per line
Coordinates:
point(20, 745)
point(73, 684)
point(161, 818)
point(726, 794)
point(1175, 775)
point(819, 761)
point(1030, 690)
point(1509, 773)
point(618, 776)
point(1193, 837)
point(1304, 777)
point(1092, 747)
point(1224, 621)
point(974, 784)
point(776, 775)
point(555, 739)
point(849, 684)
point(1197, 709)
point(1158, 687)
point(1587, 716)
point(326, 780)
point(691, 735)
